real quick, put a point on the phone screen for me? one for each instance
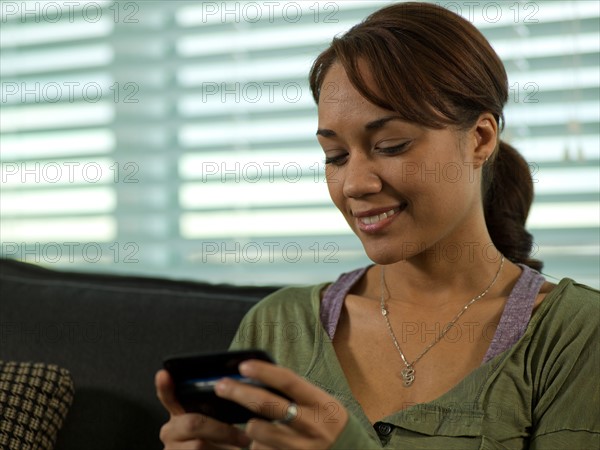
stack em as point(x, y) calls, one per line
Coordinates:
point(195, 377)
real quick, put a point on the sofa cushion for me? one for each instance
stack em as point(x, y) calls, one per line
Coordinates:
point(112, 332)
point(34, 401)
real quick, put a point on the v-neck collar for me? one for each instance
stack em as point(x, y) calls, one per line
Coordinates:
point(456, 412)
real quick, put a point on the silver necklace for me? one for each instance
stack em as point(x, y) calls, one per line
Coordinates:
point(408, 373)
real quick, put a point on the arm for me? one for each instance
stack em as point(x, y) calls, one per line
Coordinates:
point(568, 413)
point(331, 422)
point(567, 408)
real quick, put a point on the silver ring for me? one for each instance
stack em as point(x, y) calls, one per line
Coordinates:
point(291, 413)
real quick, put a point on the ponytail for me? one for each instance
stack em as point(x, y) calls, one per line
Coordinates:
point(507, 196)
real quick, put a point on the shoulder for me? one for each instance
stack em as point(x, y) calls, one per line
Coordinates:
point(288, 301)
point(570, 296)
point(563, 355)
point(578, 290)
point(569, 309)
point(296, 299)
point(285, 318)
point(564, 331)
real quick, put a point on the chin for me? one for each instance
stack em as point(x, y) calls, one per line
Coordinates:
point(385, 254)
point(389, 251)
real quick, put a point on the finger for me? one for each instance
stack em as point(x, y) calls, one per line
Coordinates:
point(258, 446)
point(165, 390)
point(198, 444)
point(188, 427)
point(254, 398)
point(267, 404)
point(282, 379)
point(314, 404)
point(268, 435)
point(187, 445)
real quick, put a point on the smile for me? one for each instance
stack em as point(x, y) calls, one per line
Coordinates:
point(378, 217)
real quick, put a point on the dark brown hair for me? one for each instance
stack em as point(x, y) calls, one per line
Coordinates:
point(435, 69)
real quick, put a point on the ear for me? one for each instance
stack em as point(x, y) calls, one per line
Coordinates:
point(485, 136)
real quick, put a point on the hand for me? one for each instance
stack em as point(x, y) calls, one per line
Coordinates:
point(186, 431)
point(320, 418)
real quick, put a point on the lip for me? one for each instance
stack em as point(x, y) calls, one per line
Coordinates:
point(380, 224)
point(375, 211)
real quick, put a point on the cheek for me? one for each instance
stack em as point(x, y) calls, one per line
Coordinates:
point(333, 175)
point(334, 185)
point(336, 197)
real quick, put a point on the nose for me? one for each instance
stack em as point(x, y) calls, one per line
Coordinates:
point(360, 177)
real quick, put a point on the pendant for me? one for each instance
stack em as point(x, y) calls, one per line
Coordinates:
point(408, 375)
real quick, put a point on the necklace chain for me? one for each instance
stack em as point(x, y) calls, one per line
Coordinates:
point(408, 373)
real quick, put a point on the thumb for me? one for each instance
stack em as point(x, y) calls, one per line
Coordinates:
point(165, 391)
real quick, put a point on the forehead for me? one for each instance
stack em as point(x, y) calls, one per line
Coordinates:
point(340, 101)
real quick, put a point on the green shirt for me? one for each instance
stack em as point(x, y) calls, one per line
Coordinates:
point(542, 393)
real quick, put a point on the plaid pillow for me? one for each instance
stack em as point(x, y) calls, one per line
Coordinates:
point(34, 401)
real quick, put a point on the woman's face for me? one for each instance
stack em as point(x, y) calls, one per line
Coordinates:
point(402, 188)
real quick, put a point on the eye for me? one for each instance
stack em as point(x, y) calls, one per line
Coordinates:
point(336, 160)
point(394, 150)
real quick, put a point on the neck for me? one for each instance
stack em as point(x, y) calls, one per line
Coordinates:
point(439, 277)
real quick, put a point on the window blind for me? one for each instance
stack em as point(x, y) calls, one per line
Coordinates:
point(177, 138)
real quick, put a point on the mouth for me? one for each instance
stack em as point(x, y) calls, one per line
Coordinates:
point(369, 220)
point(375, 220)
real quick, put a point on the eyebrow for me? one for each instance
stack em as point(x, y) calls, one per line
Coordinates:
point(374, 125)
point(379, 123)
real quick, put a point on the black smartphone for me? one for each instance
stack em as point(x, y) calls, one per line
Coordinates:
point(195, 377)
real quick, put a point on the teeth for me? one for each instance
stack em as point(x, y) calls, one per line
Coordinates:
point(374, 219)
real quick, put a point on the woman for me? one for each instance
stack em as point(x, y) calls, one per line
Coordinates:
point(410, 110)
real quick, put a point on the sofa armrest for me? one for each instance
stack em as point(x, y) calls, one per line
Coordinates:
point(34, 401)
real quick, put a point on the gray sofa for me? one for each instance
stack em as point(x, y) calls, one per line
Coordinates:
point(111, 333)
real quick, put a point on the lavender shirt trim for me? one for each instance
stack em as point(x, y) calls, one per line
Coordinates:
point(517, 312)
point(512, 325)
point(333, 299)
